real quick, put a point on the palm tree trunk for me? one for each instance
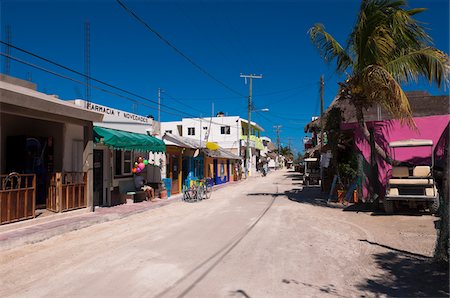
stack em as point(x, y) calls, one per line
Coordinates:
point(441, 252)
point(362, 124)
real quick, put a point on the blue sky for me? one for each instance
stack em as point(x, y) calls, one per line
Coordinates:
point(225, 38)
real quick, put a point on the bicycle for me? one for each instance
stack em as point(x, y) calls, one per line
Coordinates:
point(205, 187)
point(199, 190)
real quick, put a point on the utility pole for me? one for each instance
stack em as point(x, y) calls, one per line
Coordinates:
point(278, 130)
point(322, 127)
point(249, 107)
point(289, 143)
point(322, 122)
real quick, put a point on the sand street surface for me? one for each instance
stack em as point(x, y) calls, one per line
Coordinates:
point(266, 237)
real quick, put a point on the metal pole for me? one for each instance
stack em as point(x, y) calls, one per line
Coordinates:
point(87, 59)
point(249, 112)
point(159, 110)
point(322, 122)
point(277, 129)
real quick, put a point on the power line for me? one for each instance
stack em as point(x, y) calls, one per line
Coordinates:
point(193, 117)
point(195, 64)
point(7, 64)
point(82, 83)
point(181, 113)
point(258, 95)
point(83, 75)
point(182, 103)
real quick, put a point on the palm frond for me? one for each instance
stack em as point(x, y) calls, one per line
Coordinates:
point(383, 29)
point(379, 86)
point(328, 47)
point(428, 62)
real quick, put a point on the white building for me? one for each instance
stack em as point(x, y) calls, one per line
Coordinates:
point(229, 132)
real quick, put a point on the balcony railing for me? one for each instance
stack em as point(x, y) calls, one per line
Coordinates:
point(17, 197)
point(67, 191)
point(254, 140)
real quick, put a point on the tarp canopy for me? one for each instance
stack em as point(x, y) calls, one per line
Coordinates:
point(124, 140)
point(221, 153)
point(197, 144)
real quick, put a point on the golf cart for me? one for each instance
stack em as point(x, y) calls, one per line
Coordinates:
point(312, 171)
point(411, 183)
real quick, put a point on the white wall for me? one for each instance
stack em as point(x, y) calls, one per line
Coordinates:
point(173, 126)
point(227, 141)
point(73, 153)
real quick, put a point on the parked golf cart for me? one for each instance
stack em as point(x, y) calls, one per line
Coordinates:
point(312, 171)
point(410, 183)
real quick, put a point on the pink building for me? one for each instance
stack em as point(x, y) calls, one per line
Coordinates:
point(386, 131)
point(431, 116)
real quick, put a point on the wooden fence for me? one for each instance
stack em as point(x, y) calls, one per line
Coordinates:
point(67, 191)
point(17, 197)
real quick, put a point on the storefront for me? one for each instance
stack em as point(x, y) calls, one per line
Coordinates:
point(174, 158)
point(198, 162)
point(46, 143)
point(120, 140)
point(221, 165)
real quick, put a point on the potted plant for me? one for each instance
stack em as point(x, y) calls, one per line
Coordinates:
point(347, 170)
point(163, 191)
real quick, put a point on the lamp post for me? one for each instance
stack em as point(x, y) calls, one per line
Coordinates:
point(249, 107)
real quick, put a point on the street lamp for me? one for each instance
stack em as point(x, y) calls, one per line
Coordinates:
point(249, 107)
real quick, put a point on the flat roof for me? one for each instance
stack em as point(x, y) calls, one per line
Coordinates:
point(253, 124)
point(15, 95)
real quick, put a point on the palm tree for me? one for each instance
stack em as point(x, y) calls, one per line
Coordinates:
point(386, 48)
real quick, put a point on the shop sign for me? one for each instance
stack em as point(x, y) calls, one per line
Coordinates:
point(113, 114)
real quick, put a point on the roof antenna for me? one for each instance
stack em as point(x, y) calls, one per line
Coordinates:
point(87, 60)
point(7, 61)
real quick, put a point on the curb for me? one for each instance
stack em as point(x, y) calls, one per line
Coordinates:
point(33, 232)
point(43, 231)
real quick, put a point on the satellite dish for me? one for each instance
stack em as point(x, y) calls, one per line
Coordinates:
point(196, 152)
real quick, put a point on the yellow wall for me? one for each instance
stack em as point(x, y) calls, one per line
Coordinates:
point(208, 167)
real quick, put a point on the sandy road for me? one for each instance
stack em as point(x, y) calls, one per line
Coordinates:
point(267, 237)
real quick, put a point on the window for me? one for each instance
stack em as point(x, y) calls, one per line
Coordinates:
point(225, 130)
point(191, 131)
point(127, 162)
point(168, 131)
point(205, 127)
point(117, 162)
point(122, 162)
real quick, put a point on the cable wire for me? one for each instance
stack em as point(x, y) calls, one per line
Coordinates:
point(195, 64)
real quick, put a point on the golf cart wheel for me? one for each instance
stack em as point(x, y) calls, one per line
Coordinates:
point(388, 206)
point(434, 206)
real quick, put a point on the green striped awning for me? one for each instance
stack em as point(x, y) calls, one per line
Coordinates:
point(124, 140)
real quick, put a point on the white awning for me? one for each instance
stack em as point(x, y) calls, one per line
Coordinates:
point(310, 159)
point(411, 143)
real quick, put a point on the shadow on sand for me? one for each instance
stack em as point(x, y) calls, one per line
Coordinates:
point(406, 274)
